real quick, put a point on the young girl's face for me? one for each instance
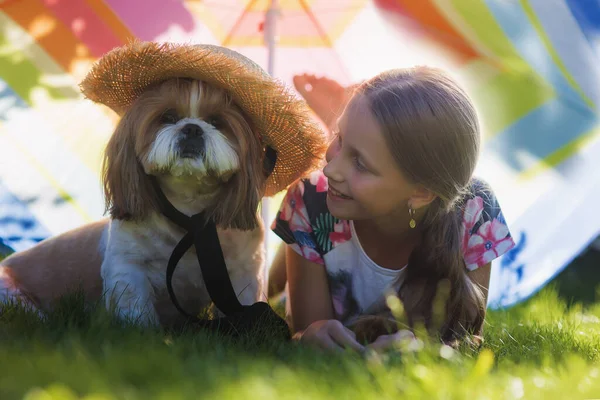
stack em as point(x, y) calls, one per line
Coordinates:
point(364, 180)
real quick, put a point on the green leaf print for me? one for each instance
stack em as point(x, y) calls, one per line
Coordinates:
point(324, 226)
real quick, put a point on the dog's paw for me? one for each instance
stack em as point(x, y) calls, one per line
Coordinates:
point(132, 309)
point(142, 316)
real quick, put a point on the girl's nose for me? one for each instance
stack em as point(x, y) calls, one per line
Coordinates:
point(332, 170)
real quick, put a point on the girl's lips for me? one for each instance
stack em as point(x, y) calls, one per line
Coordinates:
point(337, 195)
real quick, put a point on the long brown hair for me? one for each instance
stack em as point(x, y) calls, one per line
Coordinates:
point(431, 128)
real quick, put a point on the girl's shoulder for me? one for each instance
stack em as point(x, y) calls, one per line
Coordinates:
point(479, 187)
point(308, 194)
point(480, 198)
point(486, 235)
point(315, 192)
point(304, 220)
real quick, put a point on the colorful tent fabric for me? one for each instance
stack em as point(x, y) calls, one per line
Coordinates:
point(533, 69)
point(530, 65)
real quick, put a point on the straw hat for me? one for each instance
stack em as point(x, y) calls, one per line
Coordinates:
point(281, 119)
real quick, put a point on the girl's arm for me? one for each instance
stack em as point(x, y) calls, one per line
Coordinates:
point(312, 312)
point(481, 277)
point(309, 296)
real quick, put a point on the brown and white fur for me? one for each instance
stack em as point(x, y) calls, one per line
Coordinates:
point(206, 157)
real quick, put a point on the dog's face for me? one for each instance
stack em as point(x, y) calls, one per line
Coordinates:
point(197, 141)
point(193, 129)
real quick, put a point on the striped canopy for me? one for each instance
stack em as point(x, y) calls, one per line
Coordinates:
point(531, 66)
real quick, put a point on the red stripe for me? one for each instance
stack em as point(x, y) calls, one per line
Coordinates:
point(49, 32)
point(85, 25)
point(434, 24)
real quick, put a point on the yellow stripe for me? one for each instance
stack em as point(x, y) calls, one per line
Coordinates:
point(19, 43)
point(559, 156)
point(53, 182)
point(518, 88)
point(84, 127)
point(508, 97)
point(553, 53)
point(478, 72)
point(477, 25)
point(282, 41)
point(203, 13)
point(52, 35)
point(347, 16)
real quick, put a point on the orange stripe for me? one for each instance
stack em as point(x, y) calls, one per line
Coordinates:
point(7, 2)
point(55, 38)
point(437, 27)
point(85, 25)
point(111, 19)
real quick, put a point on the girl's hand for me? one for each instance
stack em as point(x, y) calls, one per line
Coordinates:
point(329, 334)
point(386, 342)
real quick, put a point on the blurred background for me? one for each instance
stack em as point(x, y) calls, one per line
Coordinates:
point(531, 66)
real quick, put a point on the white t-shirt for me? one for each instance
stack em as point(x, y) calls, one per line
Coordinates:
point(357, 285)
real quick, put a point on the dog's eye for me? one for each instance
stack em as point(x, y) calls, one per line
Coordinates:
point(215, 121)
point(169, 117)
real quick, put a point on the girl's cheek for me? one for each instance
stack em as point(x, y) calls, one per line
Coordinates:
point(359, 188)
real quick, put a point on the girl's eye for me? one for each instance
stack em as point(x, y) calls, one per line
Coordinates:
point(169, 117)
point(359, 166)
point(215, 121)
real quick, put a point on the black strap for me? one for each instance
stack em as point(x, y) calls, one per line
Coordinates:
point(240, 320)
point(184, 244)
point(203, 235)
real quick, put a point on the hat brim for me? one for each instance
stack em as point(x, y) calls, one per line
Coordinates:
point(281, 119)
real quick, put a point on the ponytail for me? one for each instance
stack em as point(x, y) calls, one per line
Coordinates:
point(437, 263)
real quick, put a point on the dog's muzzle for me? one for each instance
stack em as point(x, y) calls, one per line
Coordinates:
point(191, 144)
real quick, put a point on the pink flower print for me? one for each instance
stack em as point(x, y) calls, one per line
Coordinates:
point(293, 209)
point(318, 179)
point(341, 233)
point(472, 213)
point(309, 253)
point(488, 243)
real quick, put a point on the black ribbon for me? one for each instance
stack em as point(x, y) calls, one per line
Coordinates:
point(202, 234)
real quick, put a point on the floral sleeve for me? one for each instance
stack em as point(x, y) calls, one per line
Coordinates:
point(484, 229)
point(293, 224)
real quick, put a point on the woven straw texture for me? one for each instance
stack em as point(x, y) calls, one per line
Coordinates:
point(281, 119)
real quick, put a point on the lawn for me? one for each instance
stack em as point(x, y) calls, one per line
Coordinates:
point(545, 348)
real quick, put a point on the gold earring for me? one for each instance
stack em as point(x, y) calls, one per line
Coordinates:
point(411, 213)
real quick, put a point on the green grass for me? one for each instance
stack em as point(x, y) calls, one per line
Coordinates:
point(546, 348)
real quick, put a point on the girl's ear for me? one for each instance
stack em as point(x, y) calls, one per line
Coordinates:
point(421, 197)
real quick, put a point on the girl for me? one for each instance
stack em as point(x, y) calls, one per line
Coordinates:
point(395, 208)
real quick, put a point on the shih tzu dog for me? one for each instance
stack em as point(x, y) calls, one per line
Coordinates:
point(199, 145)
point(201, 149)
point(196, 124)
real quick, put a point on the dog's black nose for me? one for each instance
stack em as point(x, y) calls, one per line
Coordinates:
point(191, 143)
point(192, 130)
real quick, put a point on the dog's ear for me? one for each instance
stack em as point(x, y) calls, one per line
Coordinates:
point(237, 205)
point(127, 189)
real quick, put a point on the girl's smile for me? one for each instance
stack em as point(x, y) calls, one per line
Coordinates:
point(336, 195)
